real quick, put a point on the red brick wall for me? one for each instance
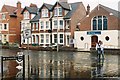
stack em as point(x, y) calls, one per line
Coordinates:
point(13, 24)
point(76, 17)
point(112, 20)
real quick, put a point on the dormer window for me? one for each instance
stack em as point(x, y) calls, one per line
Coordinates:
point(44, 12)
point(58, 11)
point(26, 15)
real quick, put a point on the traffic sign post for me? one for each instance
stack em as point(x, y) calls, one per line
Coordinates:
point(19, 59)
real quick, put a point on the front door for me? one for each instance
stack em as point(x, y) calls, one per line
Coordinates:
point(94, 40)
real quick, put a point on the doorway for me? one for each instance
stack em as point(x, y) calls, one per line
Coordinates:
point(94, 40)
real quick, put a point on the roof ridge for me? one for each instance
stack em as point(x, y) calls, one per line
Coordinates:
point(9, 6)
point(107, 7)
point(48, 4)
point(75, 2)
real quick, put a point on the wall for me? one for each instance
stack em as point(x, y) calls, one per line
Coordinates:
point(86, 43)
point(119, 38)
point(112, 20)
point(76, 17)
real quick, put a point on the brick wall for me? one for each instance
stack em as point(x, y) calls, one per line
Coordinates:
point(112, 20)
point(76, 17)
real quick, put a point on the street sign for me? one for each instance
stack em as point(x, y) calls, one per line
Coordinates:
point(20, 59)
point(26, 33)
point(93, 32)
point(9, 58)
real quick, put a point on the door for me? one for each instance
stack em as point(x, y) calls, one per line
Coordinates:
point(94, 40)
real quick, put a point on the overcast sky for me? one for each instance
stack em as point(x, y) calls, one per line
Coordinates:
point(93, 3)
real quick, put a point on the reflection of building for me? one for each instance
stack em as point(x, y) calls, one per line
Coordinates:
point(100, 24)
point(58, 19)
point(10, 23)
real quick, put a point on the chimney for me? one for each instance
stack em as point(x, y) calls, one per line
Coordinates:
point(33, 5)
point(88, 10)
point(18, 4)
point(63, 0)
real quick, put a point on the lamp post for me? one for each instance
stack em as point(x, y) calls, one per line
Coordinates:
point(27, 35)
point(57, 29)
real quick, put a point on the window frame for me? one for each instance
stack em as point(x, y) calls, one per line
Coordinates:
point(42, 38)
point(42, 25)
point(61, 38)
point(45, 12)
point(26, 15)
point(100, 25)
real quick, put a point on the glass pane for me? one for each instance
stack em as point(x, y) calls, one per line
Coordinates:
point(104, 24)
point(99, 24)
point(94, 25)
point(61, 35)
point(61, 24)
point(60, 11)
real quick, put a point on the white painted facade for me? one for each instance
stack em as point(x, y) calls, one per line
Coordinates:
point(25, 24)
point(85, 44)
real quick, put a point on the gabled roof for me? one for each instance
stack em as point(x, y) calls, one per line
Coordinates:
point(31, 10)
point(114, 12)
point(36, 18)
point(10, 9)
point(73, 6)
point(48, 6)
point(64, 5)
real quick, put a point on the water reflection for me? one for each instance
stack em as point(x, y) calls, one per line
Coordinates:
point(67, 64)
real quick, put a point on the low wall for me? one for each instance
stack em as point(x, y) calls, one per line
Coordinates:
point(107, 50)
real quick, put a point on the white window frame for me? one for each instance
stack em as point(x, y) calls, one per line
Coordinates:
point(42, 25)
point(55, 38)
point(47, 38)
point(55, 24)
point(61, 38)
point(26, 15)
point(37, 27)
point(44, 12)
point(42, 38)
point(47, 25)
point(61, 26)
point(57, 11)
point(37, 39)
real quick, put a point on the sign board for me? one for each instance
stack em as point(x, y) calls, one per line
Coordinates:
point(93, 32)
point(26, 33)
point(19, 57)
point(9, 58)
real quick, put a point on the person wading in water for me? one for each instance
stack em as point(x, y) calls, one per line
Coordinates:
point(100, 49)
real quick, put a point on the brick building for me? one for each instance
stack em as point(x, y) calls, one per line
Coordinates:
point(102, 23)
point(56, 23)
point(28, 14)
point(10, 18)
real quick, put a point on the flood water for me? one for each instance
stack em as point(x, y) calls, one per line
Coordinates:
point(45, 64)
